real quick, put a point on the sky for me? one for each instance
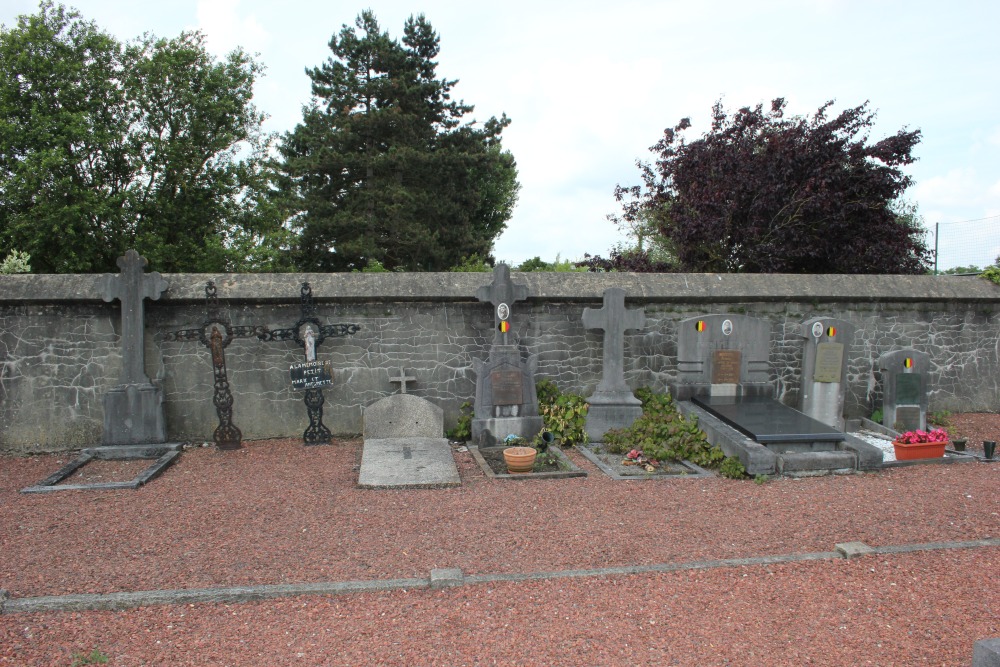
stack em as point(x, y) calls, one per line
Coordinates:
point(590, 86)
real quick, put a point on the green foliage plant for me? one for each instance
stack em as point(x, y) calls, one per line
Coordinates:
point(95, 657)
point(662, 433)
point(991, 273)
point(152, 144)
point(732, 468)
point(16, 262)
point(877, 416)
point(941, 418)
point(463, 427)
point(472, 264)
point(564, 415)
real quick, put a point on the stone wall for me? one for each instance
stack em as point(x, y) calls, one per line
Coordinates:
point(59, 342)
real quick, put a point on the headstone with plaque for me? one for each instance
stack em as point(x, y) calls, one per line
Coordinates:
point(723, 355)
point(612, 405)
point(904, 389)
point(824, 371)
point(506, 403)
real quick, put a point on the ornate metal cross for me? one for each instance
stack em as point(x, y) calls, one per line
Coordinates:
point(210, 334)
point(316, 433)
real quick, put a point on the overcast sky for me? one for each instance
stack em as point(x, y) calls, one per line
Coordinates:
point(590, 86)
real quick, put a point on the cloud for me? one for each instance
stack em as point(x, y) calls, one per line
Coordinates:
point(225, 29)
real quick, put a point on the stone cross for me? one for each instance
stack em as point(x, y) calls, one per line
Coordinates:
point(501, 291)
point(402, 379)
point(131, 286)
point(615, 321)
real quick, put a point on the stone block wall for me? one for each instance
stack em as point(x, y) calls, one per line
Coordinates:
point(59, 342)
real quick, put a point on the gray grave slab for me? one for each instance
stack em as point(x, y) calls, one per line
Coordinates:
point(612, 405)
point(403, 416)
point(768, 421)
point(407, 462)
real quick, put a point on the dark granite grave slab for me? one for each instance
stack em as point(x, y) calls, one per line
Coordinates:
point(768, 421)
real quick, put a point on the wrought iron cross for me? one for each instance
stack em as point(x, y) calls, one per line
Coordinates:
point(316, 433)
point(227, 435)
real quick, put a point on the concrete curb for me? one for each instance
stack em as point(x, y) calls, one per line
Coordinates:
point(438, 579)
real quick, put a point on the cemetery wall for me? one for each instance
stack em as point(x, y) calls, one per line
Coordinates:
point(59, 342)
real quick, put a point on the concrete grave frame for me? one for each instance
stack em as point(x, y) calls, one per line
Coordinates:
point(59, 350)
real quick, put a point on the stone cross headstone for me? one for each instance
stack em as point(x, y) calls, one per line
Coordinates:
point(505, 384)
point(133, 410)
point(824, 369)
point(612, 405)
point(402, 379)
point(905, 389)
point(502, 293)
point(723, 355)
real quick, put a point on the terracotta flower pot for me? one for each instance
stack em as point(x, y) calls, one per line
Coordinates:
point(519, 459)
point(918, 450)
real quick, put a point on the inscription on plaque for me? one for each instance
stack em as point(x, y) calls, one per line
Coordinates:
point(908, 389)
point(726, 367)
point(311, 374)
point(508, 387)
point(829, 362)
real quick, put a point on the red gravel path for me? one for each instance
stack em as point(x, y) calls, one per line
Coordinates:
point(277, 512)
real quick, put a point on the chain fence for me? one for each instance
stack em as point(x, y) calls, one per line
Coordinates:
point(967, 244)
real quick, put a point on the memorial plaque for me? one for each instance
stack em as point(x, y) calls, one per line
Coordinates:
point(311, 374)
point(508, 387)
point(908, 388)
point(726, 367)
point(829, 362)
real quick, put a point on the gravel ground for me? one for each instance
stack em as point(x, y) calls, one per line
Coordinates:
point(277, 512)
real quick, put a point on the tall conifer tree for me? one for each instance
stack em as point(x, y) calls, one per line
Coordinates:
point(383, 167)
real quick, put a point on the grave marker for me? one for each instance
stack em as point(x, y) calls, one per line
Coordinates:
point(904, 389)
point(227, 436)
point(133, 410)
point(309, 334)
point(505, 385)
point(612, 405)
point(824, 373)
point(723, 355)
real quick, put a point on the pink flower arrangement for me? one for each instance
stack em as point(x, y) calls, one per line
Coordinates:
point(916, 437)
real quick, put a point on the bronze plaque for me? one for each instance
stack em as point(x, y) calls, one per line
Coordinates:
point(726, 367)
point(508, 387)
point(829, 362)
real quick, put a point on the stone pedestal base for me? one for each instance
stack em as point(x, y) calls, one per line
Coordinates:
point(491, 432)
point(602, 417)
point(133, 415)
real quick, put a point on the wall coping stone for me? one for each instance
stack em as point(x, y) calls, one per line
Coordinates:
point(678, 288)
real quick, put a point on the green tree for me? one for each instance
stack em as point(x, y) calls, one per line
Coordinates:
point(762, 193)
point(152, 145)
point(383, 166)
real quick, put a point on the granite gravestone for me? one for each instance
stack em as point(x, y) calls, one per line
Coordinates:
point(133, 410)
point(405, 445)
point(723, 355)
point(612, 405)
point(904, 389)
point(824, 371)
point(506, 403)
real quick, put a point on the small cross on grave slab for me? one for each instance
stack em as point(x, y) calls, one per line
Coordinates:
point(402, 379)
point(133, 410)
